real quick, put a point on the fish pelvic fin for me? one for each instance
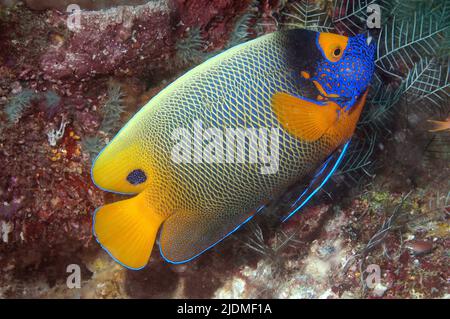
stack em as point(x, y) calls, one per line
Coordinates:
point(437, 126)
point(304, 119)
point(127, 230)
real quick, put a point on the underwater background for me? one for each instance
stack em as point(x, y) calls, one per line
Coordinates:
point(67, 88)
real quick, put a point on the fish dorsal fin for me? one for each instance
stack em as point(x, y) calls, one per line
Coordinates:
point(320, 178)
point(305, 119)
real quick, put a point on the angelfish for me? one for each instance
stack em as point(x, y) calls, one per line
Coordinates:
point(312, 86)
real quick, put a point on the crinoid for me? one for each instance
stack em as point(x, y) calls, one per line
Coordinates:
point(308, 15)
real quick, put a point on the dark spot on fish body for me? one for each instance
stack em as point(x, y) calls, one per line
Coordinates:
point(136, 177)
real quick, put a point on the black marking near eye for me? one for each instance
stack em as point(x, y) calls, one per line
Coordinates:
point(136, 177)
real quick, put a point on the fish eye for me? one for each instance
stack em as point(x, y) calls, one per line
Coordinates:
point(332, 46)
point(337, 52)
point(136, 177)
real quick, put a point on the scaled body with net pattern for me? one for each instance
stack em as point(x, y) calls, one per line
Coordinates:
point(275, 81)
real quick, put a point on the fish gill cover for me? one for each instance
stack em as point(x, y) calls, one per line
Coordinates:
point(65, 92)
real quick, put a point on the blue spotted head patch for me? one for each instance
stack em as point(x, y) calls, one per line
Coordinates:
point(346, 69)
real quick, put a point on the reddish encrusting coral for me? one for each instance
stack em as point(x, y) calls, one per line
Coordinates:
point(135, 41)
point(47, 194)
point(218, 17)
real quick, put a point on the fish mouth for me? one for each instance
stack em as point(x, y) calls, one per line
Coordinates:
point(323, 96)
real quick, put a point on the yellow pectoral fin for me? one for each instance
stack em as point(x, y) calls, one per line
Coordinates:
point(127, 230)
point(306, 120)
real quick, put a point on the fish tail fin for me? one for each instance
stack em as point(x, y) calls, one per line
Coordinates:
point(127, 230)
point(439, 125)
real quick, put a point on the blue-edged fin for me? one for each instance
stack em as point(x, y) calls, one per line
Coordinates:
point(185, 236)
point(127, 230)
point(305, 119)
point(322, 175)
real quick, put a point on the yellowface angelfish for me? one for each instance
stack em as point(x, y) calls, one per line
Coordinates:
point(194, 202)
